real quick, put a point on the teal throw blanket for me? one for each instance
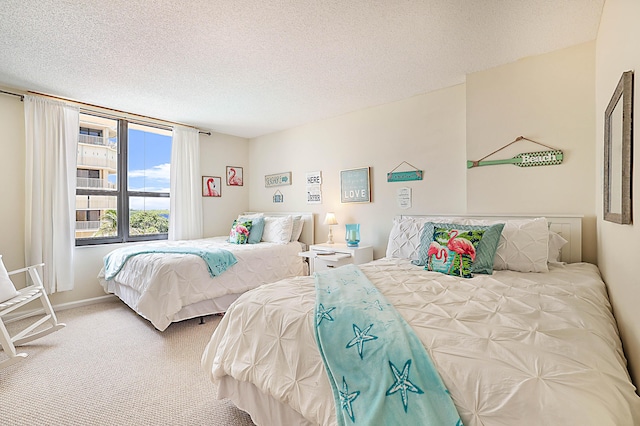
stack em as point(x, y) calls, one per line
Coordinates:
point(217, 260)
point(378, 368)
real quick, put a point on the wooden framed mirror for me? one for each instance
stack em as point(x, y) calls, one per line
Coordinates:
point(618, 138)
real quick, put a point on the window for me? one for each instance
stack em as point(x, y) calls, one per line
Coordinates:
point(122, 186)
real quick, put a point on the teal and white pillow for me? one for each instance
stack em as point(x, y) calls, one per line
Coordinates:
point(240, 231)
point(257, 228)
point(452, 251)
point(486, 250)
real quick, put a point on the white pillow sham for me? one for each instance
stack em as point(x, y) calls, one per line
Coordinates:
point(556, 242)
point(404, 238)
point(296, 230)
point(277, 229)
point(7, 289)
point(523, 246)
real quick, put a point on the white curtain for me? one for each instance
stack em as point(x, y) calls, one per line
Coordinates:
point(185, 220)
point(51, 130)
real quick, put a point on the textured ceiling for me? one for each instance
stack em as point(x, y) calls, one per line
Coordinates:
point(248, 67)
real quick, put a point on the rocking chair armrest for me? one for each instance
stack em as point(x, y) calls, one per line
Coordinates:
point(17, 271)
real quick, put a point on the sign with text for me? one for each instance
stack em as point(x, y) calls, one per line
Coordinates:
point(526, 159)
point(277, 179)
point(314, 178)
point(403, 196)
point(354, 186)
point(314, 194)
point(404, 176)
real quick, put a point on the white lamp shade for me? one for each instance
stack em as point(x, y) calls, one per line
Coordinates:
point(330, 219)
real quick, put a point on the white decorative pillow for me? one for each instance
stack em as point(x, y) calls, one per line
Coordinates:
point(297, 228)
point(277, 229)
point(523, 246)
point(7, 289)
point(556, 242)
point(404, 237)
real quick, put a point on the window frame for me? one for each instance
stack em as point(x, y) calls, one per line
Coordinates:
point(122, 193)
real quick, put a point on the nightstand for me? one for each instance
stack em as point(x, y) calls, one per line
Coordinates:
point(326, 256)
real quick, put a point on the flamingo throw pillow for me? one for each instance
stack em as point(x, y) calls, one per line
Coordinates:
point(486, 250)
point(240, 232)
point(452, 251)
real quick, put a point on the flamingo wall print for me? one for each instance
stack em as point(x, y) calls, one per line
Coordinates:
point(234, 176)
point(211, 186)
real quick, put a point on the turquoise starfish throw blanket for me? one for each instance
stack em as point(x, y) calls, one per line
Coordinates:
point(378, 369)
point(217, 260)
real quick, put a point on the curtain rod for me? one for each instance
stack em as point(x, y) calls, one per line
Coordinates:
point(115, 110)
point(13, 94)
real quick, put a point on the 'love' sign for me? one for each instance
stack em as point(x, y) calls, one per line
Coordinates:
point(354, 186)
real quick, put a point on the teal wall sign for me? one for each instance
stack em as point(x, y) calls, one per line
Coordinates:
point(404, 176)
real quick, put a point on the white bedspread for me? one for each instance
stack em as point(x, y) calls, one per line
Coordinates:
point(159, 284)
point(512, 348)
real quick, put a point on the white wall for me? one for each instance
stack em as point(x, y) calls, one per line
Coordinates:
point(427, 131)
point(217, 151)
point(549, 99)
point(12, 169)
point(618, 245)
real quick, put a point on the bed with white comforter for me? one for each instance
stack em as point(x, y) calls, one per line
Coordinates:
point(512, 347)
point(170, 287)
point(160, 286)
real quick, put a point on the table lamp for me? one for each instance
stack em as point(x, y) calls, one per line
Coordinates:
point(330, 219)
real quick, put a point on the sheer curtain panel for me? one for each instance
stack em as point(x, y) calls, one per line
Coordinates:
point(185, 220)
point(51, 130)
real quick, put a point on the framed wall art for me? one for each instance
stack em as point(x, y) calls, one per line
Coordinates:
point(277, 179)
point(618, 152)
point(234, 176)
point(211, 186)
point(355, 186)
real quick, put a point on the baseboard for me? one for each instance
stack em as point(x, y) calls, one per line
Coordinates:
point(60, 307)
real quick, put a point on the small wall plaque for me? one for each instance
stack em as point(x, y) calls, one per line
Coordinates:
point(403, 196)
point(414, 174)
point(404, 176)
point(278, 179)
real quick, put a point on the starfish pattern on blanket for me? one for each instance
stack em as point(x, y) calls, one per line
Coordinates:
point(371, 290)
point(375, 305)
point(402, 383)
point(348, 281)
point(324, 313)
point(330, 289)
point(361, 337)
point(346, 399)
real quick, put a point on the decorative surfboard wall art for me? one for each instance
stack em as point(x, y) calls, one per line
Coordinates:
point(526, 159)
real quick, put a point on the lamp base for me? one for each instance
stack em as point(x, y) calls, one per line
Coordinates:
point(330, 236)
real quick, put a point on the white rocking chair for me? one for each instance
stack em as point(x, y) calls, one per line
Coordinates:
point(26, 295)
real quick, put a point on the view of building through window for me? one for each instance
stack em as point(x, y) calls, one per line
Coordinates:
point(99, 193)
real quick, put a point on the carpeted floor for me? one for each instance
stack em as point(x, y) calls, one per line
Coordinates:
point(108, 366)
